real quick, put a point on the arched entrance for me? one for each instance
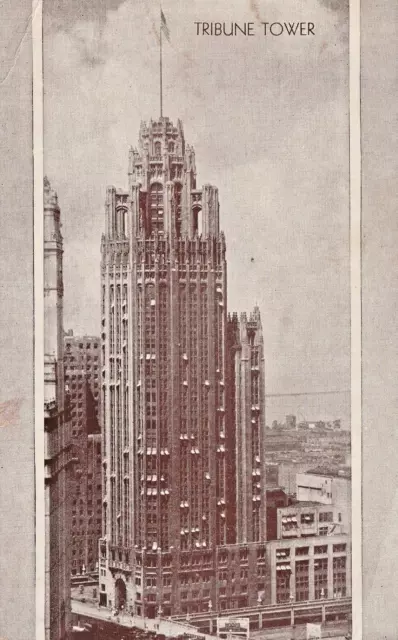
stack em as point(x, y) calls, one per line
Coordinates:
point(120, 593)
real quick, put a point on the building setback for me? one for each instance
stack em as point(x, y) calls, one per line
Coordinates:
point(57, 453)
point(169, 431)
point(82, 378)
point(246, 384)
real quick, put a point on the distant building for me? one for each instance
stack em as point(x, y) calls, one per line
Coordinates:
point(288, 471)
point(329, 487)
point(290, 422)
point(82, 378)
point(57, 454)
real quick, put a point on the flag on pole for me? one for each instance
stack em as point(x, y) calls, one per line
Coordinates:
point(163, 26)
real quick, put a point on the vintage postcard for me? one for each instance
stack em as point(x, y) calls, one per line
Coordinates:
point(180, 399)
point(186, 253)
point(197, 320)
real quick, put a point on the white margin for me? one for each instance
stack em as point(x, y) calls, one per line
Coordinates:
point(37, 44)
point(356, 316)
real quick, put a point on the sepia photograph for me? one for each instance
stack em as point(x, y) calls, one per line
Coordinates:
point(197, 384)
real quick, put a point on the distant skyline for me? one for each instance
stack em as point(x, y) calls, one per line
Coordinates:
point(269, 122)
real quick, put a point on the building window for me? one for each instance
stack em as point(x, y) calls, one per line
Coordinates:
point(244, 555)
point(307, 518)
point(320, 549)
point(326, 516)
point(338, 548)
point(302, 551)
point(339, 577)
point(282, 584)
point(302, 580)
point(321, 578)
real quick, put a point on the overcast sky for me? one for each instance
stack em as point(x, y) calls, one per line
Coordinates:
point(268, 117)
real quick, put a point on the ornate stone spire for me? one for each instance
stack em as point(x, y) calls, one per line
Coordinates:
point(50, 196)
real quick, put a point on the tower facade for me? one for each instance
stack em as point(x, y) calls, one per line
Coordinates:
point(247, 412)
point(167, 446)
point(57, 454)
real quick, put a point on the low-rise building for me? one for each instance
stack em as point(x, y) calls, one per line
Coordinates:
point(316, 568)
point(304, 519)
point(330, 487)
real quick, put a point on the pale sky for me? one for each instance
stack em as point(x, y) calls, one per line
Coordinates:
point(268, 117)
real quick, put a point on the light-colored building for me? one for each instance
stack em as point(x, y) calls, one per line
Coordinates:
point(57, 455)
point(304, 519)
point(314, 568)
point(329, 487)
point(288, 471)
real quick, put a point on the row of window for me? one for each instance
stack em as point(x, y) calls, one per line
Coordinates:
point(304, 551)
point(87, 345)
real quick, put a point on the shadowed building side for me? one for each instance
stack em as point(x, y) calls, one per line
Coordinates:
point(57, 454)
point(83, 380)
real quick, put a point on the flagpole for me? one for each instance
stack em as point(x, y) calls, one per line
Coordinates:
point(161, 68)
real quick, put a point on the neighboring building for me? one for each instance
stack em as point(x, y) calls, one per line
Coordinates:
point(275, 499)
point(271, 475)
point(310, 559)
point(247, 383)
point(82, 361)
point(168, 450)
point(288, 473)
point(329, 487)
point(57, 454)
point(304, 519)
point(312, 569)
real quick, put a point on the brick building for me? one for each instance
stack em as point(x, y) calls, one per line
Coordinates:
point(82, 378)
point(171, 376)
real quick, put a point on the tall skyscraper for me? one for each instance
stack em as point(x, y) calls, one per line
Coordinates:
point(82, 379)
point(168, 450)
point(57, 454)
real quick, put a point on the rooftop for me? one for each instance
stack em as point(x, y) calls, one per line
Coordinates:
point(331, 472)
